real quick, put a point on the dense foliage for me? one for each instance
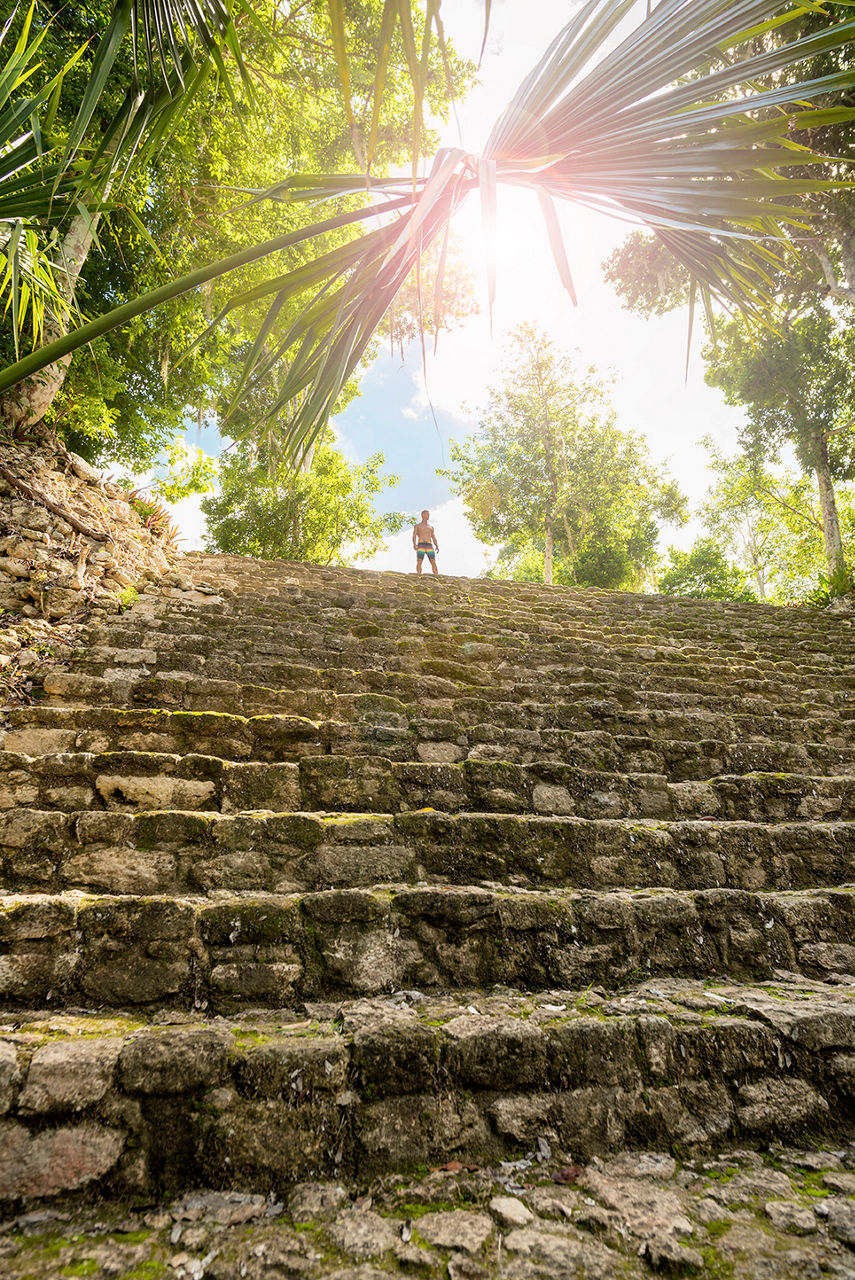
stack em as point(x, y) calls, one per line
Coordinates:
point(795, 379)
point(192, 200)
point(797, 384)
point(323, 515)
point(551, 478)
point(769, 523)
point(703, 572)
point(685, 125)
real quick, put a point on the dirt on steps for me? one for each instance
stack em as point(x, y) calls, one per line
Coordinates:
point(787, 1214)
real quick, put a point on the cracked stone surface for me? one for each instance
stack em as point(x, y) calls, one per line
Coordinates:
point(632, 1215)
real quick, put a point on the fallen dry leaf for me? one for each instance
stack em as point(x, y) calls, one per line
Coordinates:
point(454, 1166)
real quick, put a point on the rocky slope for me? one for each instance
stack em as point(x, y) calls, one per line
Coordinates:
point(69, 537)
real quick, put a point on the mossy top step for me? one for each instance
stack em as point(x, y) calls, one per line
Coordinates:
point(238, 949)
point(133, 780)
point(734, 721)
point(664, 636)
point(244, 951)
point(502, 680)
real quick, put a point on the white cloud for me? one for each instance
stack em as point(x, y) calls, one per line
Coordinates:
point(344, 446)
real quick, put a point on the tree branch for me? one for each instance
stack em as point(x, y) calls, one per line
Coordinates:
point(36, 495)
point(776, 497)
point(835, 288)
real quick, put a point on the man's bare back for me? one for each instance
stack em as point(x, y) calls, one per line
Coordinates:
point(425, 543)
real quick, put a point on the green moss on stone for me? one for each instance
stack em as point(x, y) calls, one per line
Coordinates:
point(716, 1267)
point(811, 1184)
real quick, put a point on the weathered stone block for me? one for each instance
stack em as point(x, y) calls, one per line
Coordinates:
point(584, 1051)
point(456, 1229)
point(43, 1164)
point(271, 1143)
point(10, 1076)
point(69, 1075)
point(779, 1106)
point(125, 791)
point(174, 1062)
point(494, 1053)
point(262, 786)
point(398, 1056)
point(344, 784)
point(292, 1069)
point(421, 1128)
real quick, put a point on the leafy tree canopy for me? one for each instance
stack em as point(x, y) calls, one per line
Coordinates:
point(703, 572)
point(647, 276)
point(324, 515)
point(797, 384)
point(194, 201)
point(550, 471)
point(685, 126)
point(770, 524)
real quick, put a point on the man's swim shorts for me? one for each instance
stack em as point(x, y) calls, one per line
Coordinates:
point(425, 549)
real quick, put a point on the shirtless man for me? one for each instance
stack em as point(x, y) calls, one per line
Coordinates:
point(425, 543)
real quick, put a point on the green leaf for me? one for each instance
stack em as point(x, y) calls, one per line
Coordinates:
point(556, 241)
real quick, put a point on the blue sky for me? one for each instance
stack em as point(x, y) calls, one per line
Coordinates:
point(382, 418)
point(645, 358)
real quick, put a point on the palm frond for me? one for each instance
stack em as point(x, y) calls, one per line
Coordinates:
point(32, 190)
point(403, 15)
point(171, 39)
point(683, 127)
point(32, 278)
point(648, 133)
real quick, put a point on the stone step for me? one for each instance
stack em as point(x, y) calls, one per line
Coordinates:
point(292, 630)
point(253, 587)
point(362, 872)
point(241, 950)
point(246, 573)
point(794, 723)
point(349, 1089)
point(449, 624)
point(145, 781)
point(42, 730)
point(503, 602)
point(173, 851)
point(410, 678)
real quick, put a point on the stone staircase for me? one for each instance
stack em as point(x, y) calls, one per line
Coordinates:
point(316, 874)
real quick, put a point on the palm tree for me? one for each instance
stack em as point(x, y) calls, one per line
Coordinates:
point(51, 198)
point(685, 126)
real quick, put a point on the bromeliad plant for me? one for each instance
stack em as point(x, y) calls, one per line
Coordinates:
point(686, 126)
point(156, 518)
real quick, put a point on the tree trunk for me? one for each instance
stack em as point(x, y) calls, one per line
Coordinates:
point(758, 570)
point(27, 402)
point(305, 463)
point(547, 557)
point(835, 287)
point(828, 506)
